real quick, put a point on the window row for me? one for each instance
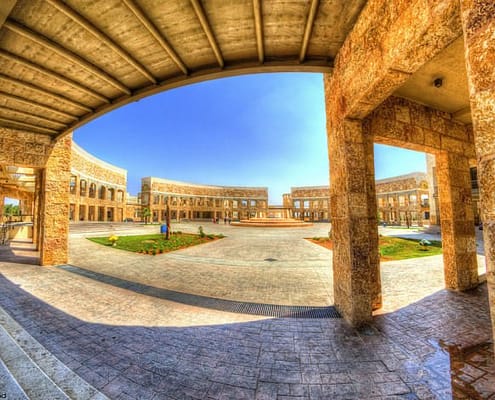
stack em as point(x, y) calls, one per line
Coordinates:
point(310, 203)
point(203, 202)
point(91, 190)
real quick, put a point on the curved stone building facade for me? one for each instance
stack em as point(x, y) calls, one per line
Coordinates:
point(401, 200)
point(193, 201)
point(404, 199)
point(310, 203)
point(97, 189)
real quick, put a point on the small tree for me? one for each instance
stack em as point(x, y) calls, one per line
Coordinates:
point(11, 210)
point(167, 235)
point(146, 214)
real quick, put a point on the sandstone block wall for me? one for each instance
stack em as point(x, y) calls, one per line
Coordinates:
point(403, 123)
point(193, 201)
point(87, 204)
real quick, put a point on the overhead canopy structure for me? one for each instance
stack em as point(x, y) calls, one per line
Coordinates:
point(18, 178)
point(62, 63)
point(396, 73)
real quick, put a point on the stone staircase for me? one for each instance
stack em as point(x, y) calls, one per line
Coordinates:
point(29, 371)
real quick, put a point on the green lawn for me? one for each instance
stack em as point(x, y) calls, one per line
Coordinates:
point(156, 243)
point(394, 248)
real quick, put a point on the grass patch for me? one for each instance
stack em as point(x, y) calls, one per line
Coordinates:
point(394, 248)
point(156, 243)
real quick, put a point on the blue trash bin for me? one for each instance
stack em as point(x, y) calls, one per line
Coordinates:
point(163, 228)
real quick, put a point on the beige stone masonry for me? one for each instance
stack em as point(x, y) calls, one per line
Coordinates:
point(355, 255)
point(55, 204)
point(403, 123)
point(478, 20)
point(389, 42)
point(457, 221)
point(24, 149)
point(98, 188)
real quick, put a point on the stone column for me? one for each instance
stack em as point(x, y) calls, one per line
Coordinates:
point(478, 20)
point(37, 209)
point(457, 221)
point(356, 266)
point(76, 211)
point(54, 205)
point(432, 191)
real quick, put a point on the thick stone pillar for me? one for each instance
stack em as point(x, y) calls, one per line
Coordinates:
point(457, 221)
point(478, 20)
point(356, 270)
point(54, 205)
point(37, 209)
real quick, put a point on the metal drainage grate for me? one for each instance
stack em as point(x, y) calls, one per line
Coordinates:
point(267, 310)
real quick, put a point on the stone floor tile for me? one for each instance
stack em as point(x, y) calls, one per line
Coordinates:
point(133, 345)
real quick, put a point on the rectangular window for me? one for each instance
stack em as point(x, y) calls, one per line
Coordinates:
point(252, 203)
point(82, 188)
point(72, 185)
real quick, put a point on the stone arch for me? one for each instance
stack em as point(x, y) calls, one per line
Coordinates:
point(92, 190)
point(102, 192)
point(83, 187)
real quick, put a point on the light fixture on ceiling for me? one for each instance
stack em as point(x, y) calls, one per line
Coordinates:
point(438, 82)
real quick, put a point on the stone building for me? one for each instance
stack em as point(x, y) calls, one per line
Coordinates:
point(433, 192)
point(400, 199)
point(133, 208)
point(192, 201)
point(309, 203)
point(403, 200)
point(96, 188)
point(413, 74)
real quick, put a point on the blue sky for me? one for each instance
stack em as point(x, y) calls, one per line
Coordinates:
point(254, 130)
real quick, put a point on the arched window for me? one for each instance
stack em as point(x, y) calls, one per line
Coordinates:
point(92, 190)
point(72, 184)
point(83, 187)
point(111, 194)
point(102, 194)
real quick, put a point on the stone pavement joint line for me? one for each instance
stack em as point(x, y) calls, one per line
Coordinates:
point(266, 310)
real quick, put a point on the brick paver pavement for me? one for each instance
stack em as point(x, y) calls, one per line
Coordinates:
point(133, 346)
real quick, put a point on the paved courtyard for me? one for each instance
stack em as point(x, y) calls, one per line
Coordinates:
point(426, 342)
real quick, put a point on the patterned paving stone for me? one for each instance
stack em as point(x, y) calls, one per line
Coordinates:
point(133, 346)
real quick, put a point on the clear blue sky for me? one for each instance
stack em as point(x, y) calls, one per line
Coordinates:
point(254, 130)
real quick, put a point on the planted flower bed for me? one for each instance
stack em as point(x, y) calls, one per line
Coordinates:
point(156, 243)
